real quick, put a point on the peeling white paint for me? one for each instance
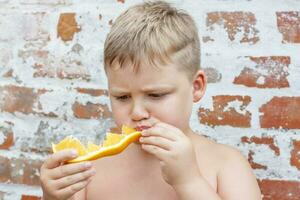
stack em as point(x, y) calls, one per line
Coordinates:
point(15, 191)
point(228, 57)
point(2, 138)
point(261, 80)
point(21, 172)
point(237, 106)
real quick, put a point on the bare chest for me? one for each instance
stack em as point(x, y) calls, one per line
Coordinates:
point(149, 186)
point(124, 178)
point(146, 185)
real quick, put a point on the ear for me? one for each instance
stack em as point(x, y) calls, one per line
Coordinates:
point(199, 85)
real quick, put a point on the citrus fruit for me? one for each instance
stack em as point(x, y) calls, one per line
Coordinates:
point(127, 130)
point(114, 143)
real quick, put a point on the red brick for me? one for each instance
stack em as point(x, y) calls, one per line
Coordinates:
point(2, 195)
point(76, 71)
point(92, 92)
point(6, 130)
point(8, 74)
point(18, 99)
point(42, 66)
point(269, 141)
point(5, 170)
point(225, 114)
point(90, 110)
point(115, 129)
point(30, 171)
point(288, 24)
point(46, 65)
point(28, 197)
point(254, 164)
point(8, 141)
point(21, 99)
point(281, 112)
point(67, 26)
point(268, 72)
point(262, 140)
point(280, 189)
point(295, 154)
point(20, 171)
point(233, 23)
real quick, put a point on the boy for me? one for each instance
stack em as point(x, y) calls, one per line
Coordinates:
point(152, 61)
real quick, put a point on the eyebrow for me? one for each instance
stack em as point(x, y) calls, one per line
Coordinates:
point(146, 89)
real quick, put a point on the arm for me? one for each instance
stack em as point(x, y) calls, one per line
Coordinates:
point(197, 190)
point(178, 162)
point(179, 167)
point(236, 180)
point(77, 196)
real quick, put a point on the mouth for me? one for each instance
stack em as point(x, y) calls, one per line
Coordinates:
point(141, 128)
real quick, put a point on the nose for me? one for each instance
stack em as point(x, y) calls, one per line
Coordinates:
point(139, 111)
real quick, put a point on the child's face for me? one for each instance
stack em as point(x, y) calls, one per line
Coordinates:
point(151, 95)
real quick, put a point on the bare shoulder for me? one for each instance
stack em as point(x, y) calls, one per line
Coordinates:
point(220, 154)
point(235, 177)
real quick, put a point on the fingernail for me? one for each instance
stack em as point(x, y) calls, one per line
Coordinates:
point(144, 133)
point(88, 164)
point(73, 153)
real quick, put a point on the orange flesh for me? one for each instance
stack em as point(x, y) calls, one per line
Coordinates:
point(113, 144)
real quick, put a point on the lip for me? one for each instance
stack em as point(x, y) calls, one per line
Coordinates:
point(142, 127)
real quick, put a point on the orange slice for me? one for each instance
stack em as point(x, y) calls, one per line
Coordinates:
point(92, 147)
point(70, 142)
point(114, 143)
point(127, 130)
point(112, 138)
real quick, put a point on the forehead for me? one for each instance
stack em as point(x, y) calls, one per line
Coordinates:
point(145, 76)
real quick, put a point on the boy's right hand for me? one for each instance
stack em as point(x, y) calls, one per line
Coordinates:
point(61, 182)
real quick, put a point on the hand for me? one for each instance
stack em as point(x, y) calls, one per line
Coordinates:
point(61, 182)
point(175, 152)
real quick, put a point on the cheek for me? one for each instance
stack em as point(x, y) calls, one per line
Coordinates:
point(119, 113)
point(175, 111)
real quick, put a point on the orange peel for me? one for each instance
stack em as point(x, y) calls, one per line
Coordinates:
point(114, 143)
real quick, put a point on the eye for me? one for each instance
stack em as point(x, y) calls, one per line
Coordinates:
point(122, 98)
point(156, 95)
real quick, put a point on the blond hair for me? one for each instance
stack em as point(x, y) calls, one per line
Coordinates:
point(154, 33)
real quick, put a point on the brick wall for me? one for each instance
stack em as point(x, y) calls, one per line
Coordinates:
point(52, 84)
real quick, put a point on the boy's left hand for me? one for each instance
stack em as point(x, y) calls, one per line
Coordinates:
point(175, 152)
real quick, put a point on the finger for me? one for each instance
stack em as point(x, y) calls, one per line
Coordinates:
point(75, 178)
point(158, 152)
point(67, 192)
point(57, 158)
point(160, 131)
point(66, 170)
point(171, 128)
point(157, 141)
